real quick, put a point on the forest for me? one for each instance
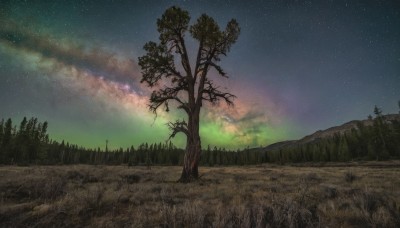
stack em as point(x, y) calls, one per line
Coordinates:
point(29, 143)
point(378, 141)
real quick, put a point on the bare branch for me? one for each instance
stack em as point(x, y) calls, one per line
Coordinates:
point(162, 96)
point(204, 68)
point(213, 95)
point(198, 61)
point(178, 126)
point(218, 68)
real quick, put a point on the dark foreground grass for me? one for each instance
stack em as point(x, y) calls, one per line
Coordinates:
point(342, 195)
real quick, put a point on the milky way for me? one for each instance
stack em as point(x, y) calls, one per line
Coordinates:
point(297, 67)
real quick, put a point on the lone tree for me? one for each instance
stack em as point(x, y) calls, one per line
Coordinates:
point(187, 86)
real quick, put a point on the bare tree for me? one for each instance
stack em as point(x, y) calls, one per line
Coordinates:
point(187, 86)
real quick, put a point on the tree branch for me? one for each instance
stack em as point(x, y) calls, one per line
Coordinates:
point(178, 126)
point(203, 78)
point(198, 61)
point(156, 64)
point(162, 96)
point(218, 68)
point(213, 95)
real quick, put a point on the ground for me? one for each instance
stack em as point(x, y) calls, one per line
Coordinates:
point(363, 194)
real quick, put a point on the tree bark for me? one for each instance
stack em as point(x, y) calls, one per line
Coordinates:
point(190, 171)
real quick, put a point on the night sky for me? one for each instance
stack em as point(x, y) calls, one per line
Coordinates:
point(298, 67)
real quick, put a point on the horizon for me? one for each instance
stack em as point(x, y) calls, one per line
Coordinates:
point(165, 142)
point(297, 68)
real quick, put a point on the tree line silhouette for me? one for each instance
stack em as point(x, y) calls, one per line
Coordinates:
point(377, 140)
point(29, 143)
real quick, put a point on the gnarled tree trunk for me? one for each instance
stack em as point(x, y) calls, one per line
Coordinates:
point(191, 160)
point(190, 169)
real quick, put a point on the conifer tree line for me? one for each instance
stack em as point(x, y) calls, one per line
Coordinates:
point(379, 140)
point(22, 144)
point(29, 143)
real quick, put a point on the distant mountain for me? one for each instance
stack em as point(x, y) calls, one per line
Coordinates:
point(279, 145)
point(330, 132)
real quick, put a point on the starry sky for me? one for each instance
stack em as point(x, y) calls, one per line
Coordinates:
point(297, 67)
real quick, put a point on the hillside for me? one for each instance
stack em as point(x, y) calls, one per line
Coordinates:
point(330, 132)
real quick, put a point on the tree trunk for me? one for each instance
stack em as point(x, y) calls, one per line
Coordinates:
point(190, 171)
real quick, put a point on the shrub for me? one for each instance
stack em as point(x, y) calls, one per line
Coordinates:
point(349, 177)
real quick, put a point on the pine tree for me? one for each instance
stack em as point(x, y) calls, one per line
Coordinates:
point(380, 130)
point(343, 150)
point(399, 106)
point(6, 144)
point(2, 153)
point(193, 87)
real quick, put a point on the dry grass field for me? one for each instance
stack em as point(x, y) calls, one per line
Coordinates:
point(338, 195)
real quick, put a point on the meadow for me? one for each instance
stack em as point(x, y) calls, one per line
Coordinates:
point(357, 194)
